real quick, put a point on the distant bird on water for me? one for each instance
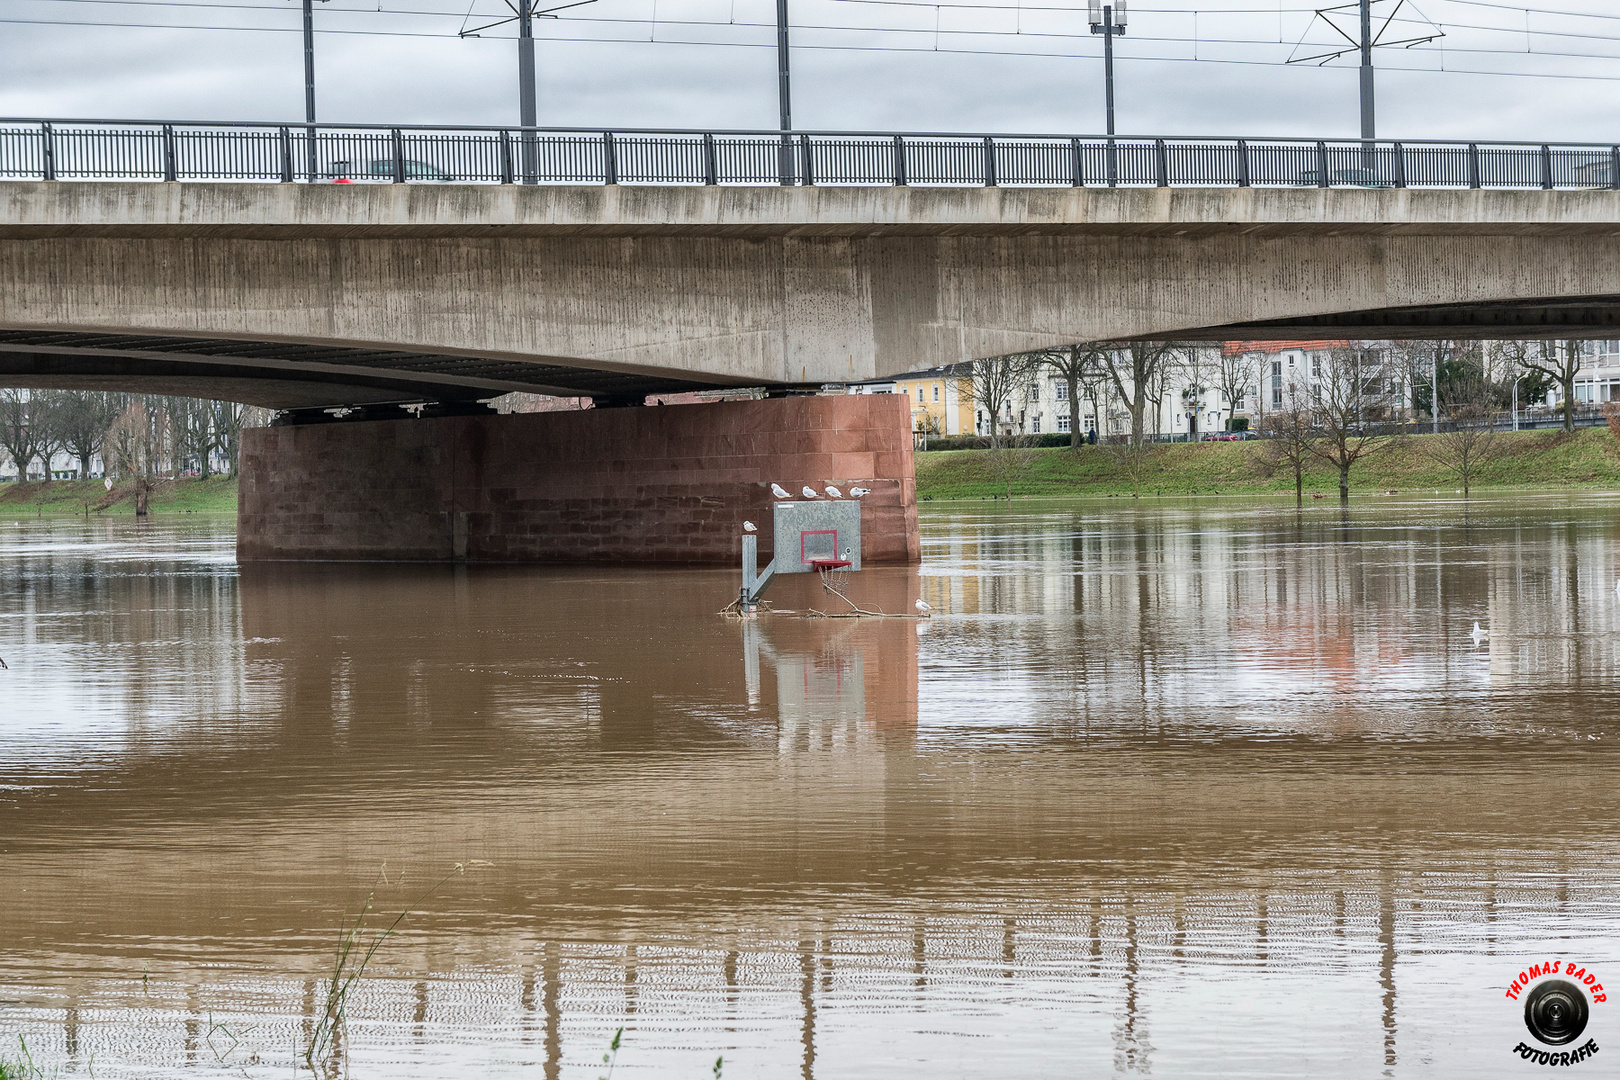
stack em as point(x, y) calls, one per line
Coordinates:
point(834, 492)
point(749, 526)
point(810, 492)
point(1479, 633)
point(4, 666)
point(857, 492)
point(781, 492)
point(924, 606)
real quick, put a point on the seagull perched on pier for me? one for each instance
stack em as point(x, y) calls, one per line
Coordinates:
point(1479, 633)
point(749, 526)
point(834, 492)
point(810, 492)
point(924, 606)
point(781, 492)
point(857, 492)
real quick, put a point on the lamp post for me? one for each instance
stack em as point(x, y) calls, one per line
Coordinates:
point(1516, 402)
point(1109, 21)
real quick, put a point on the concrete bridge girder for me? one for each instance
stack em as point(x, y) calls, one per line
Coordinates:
point(729, 286)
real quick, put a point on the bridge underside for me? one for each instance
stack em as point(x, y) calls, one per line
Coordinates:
point(291, 376)
point(1563, 317)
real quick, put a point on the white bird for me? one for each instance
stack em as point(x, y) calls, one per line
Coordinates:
point(781, 492)
point(749, 526)
point(924, 606)
point(1617, 588)
point(1479, 633)
point(834, 492)
point(810, 492)
point(857, 492)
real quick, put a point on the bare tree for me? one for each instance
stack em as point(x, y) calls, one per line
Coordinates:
point(999, 383)
point(1236, 374)
point(137, 445)
point(1470, 442)
point(1012, 460)
point(1197, 379)
point(1558, 361)
point(194, 433)
point(25, 430)
point(1075, 364)
point(229, 420)
point(1337, 411)
point(81, 422)
point(1138, 365)
point(1287, 448)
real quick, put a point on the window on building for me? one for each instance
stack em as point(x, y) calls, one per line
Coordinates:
point(919, 395)
point(1064, 425)
point(936, 391)
point(1276, 396)
point(1035, 424)
point(1034, 392)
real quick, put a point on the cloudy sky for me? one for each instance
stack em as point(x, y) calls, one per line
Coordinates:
point(1493, 70)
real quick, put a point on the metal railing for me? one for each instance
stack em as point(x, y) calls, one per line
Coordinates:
point(299, 153)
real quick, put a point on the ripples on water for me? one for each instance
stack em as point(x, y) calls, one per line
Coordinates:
point(1180, 788)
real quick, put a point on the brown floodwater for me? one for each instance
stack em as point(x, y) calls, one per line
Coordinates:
point(1180, 788)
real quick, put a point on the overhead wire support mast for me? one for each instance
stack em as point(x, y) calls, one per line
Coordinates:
point(309, 90)
point(523, 12)
point(784, 96)
point(1109, 21)
point(1363, 43)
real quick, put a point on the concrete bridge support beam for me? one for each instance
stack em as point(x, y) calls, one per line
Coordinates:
point(664, 484)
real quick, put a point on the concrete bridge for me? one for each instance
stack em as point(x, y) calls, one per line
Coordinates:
point(311, 295)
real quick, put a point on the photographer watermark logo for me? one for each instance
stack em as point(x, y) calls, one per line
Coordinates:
point(1558, 997)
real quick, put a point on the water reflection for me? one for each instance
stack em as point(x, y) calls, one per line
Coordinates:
point(1161, 785)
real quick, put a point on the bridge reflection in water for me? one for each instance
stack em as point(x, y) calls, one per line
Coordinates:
point(1158, 787)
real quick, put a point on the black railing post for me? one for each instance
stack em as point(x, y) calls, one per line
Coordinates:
point(989, 162)
point(1111, 163)
point(806, 161)
point(710, 165)
point(784, 159)
point(1161, 164)
point(1400, 165)
point(284, 138)
point(1077, 164)
point(1614, 168)
point(1546, 168)
point(50, 151)
point(398, 140)
point(168, 154)
point(506, 157)
point(1244, 179)
point(1321, 164)
point(610, 159)
point(1473, 165)
point(899, 161)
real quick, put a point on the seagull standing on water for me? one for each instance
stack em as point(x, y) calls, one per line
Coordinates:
point(1479, 633)
point(781, 492)
point(810, 492)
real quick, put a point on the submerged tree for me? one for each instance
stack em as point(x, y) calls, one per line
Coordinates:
point(1287, 447)
point(1342, 436)
point(136, 446)
point(1469, 442)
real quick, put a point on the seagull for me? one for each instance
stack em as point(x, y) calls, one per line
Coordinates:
point(781, 492)
point(1479, 634)
point(857, 492)
point(749, 526)
point(834, 492)
point(924, 606)
point(810, 492)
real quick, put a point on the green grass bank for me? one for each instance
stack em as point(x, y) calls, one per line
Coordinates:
point(1526, 459)
point(90, 498)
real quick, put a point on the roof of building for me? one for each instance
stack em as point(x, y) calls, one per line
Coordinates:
point(1234, 348)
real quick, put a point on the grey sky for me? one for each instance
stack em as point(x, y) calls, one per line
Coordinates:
point(858, 64)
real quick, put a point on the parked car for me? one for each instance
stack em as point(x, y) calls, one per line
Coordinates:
point(383, 169)
point(1345, 178)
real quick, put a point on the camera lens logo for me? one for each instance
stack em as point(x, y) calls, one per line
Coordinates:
point(1556, 1012)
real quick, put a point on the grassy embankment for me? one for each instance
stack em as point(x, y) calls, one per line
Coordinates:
point(1526, 459)
point(81, 498)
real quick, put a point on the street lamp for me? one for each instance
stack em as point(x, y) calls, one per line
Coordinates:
point(1109, 21)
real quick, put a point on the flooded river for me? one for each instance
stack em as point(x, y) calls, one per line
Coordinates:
point(1186, 789)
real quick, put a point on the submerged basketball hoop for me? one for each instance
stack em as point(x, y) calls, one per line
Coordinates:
point(809, 537)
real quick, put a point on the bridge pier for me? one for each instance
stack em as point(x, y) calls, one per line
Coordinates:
point(659, 484)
